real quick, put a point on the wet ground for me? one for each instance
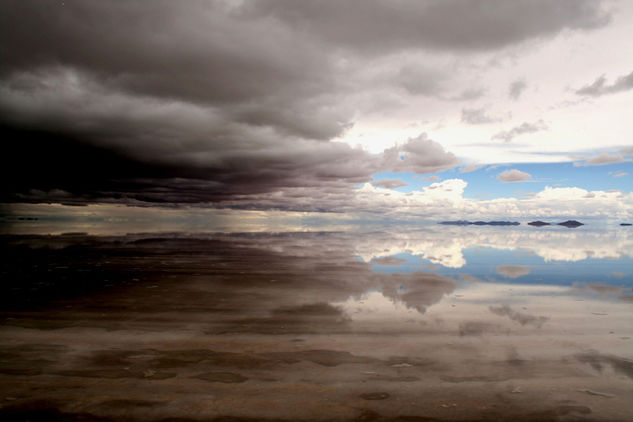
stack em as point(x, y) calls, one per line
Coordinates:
point(316, 326)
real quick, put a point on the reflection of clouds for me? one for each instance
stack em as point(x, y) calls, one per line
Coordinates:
point(391, 261)
point(376, 307)
point(471, 279)
point(479, 328)
point(417, 290)
point(445, 245)
point(530, 317)
point(286, 282)
point(403, 296)
point(599, 361)
point(599, 288)
point(288, 310)
point(513, 271)
point(520, 317)
point(626, 298)
point(429, 245)
point(441, 245)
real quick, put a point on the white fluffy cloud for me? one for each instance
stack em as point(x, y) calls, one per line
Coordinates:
point(514, 175)
point(444, 245)
point(445, 200)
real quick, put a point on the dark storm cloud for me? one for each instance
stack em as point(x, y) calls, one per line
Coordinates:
point(195, 51)
point(73, 133)
point(389, 183)
point(215, 101)
point(152, 166)
point(599, 87)
point(375, 25)
point(417, 80)
point(81, 138)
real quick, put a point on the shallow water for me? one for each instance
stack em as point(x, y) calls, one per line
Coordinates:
point(430, 323)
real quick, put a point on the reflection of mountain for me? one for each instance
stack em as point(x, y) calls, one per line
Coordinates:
point(444, 245)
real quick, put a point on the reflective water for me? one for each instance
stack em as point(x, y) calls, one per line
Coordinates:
point(429, 323)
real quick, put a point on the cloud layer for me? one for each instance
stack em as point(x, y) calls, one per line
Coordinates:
point(244, 104)
point(137, 148)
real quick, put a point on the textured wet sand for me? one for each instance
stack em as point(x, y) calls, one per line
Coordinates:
point(286, 327)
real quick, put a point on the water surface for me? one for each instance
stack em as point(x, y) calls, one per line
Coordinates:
point(442, 323)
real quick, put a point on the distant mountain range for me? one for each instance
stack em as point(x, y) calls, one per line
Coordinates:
point(568, 223)
point(480, 223)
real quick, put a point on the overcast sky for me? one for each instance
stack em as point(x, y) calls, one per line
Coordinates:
point(404, 107)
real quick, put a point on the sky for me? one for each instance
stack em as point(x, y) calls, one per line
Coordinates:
point(395, 110)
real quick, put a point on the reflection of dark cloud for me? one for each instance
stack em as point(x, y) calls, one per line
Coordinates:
point(300, 319)
point(265, 283)
point(600, 288)
point(626, 298)
point(388, 260)
point(470, 278)
point(598, 361)
point(166, 323)
point(513, 271)
point(521, 318)
point(478, 328)
point(316, 309)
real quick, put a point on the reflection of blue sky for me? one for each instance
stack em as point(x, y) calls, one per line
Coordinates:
point(483, 182)
point(483, 263)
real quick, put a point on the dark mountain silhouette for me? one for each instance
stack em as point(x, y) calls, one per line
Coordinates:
point(571, 223)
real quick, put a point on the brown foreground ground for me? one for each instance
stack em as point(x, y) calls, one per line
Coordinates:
point(292, 328)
